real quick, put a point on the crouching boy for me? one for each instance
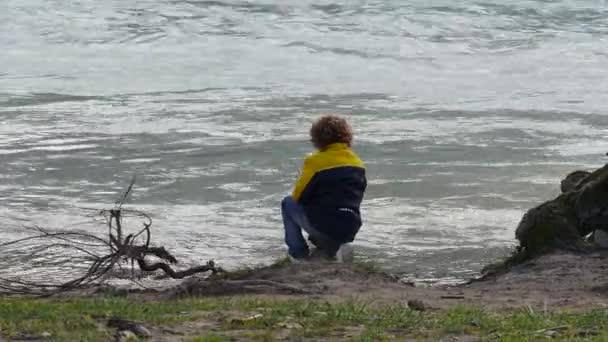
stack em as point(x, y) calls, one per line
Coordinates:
point(327, 196)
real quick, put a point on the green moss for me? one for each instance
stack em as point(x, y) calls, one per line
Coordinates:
point(281, 262)
point(366, 266)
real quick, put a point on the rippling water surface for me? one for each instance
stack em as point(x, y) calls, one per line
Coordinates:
point(466, 113)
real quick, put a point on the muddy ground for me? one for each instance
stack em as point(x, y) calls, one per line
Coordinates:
point(560, 280)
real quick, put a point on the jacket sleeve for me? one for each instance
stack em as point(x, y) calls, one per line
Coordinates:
point(308, 172)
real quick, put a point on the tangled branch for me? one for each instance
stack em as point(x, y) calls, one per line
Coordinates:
point(96, 256)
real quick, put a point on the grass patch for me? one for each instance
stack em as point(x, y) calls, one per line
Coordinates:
point(267, 320)
point(366, 266)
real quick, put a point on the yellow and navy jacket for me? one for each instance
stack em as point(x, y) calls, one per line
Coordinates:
point(331, 188)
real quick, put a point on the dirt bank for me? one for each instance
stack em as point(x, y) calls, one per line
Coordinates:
point(557, 280)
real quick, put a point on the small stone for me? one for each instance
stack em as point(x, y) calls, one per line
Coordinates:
point(289, 325)
point(126, 335)
point(600, 237)
point(254, 317)
point(134, 327)
point(550, 333)
point(140, 330)
point(46, 334)
point(416, 304)
point(240, 320)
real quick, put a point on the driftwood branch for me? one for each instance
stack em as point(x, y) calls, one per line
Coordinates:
point(97, 256)
point(91, 260)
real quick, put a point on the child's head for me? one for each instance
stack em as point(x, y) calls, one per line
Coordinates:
point(330, 129)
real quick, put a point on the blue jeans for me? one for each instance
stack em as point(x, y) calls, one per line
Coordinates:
point(294, 221)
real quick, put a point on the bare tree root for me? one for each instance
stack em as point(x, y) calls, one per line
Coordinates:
point(173, 274)
point(98, 257)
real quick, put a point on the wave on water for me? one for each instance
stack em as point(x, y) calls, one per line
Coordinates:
point(466, 114)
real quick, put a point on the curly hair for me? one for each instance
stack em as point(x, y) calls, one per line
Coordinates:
point(330, 129)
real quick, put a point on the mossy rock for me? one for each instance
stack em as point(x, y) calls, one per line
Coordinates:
point(552, 224)
point(564, 221)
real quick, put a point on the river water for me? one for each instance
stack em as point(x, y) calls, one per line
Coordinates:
point(466, 113)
